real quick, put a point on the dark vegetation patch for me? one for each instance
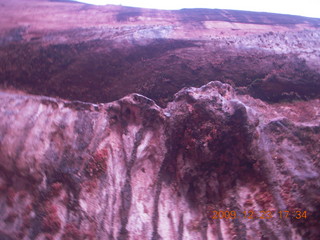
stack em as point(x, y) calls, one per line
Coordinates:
point(202, 14)
point(294, 80)
point(127, 15)
point(14, 35)
point(97, 71)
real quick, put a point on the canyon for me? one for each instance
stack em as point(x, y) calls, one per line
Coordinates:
point(128, 123)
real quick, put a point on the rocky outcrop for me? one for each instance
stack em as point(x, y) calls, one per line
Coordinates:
point(127, 123)
point(132, 170)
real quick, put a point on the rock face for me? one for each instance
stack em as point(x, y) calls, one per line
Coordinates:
point(132, 170)
point(192, 159)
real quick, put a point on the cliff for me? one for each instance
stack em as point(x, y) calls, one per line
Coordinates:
point(126, 123)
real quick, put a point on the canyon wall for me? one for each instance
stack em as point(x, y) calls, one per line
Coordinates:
point(127, 123)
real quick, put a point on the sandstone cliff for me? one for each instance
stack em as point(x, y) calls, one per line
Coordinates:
point(148, 121)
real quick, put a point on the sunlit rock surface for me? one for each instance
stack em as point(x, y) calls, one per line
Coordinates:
point(148, 121)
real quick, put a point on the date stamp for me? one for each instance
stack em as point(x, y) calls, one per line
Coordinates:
point(255, 214)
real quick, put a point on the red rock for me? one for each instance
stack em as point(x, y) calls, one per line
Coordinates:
point(78, 166)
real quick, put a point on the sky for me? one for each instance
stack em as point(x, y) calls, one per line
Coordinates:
point(308, 8)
